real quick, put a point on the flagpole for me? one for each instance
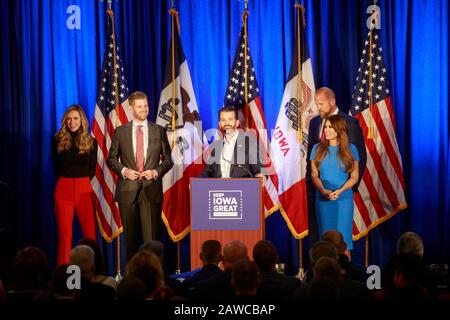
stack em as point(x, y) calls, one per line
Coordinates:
point(244, 18)
point(174, 15)
point(299, 8)
point(367, 250)
point(371, 129)
point(110, 13)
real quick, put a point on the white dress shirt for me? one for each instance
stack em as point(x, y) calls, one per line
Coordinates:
point(227, 155)
point(134, 138)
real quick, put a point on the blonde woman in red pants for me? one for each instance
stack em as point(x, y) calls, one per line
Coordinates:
point(74, 159)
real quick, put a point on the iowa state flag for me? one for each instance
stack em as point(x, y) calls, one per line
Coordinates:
point(186, 139)
point(289, 154)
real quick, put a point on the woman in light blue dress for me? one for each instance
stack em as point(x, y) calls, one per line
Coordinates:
point(334, 171)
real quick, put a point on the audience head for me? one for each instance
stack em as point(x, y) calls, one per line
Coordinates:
point(99, 264)
point(330, 268)
point(59, 283)
point(2, 291)
point(131, 288)
point(336, 238)
point(409, 270)
point(233, 252)
point(322, 249)
point(84, 257)
point(30, 265)
point(245, 277)
point(323, 289)
point(154, 246)
point(211, 252)
point(265, 255)
point(147, 267)
point(151, 278)
point(410, 242)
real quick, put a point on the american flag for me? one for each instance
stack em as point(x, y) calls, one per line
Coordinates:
point(111, 110)
point(235, 97)
point(381, 191)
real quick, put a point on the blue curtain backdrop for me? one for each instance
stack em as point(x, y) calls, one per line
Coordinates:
point(45, 66)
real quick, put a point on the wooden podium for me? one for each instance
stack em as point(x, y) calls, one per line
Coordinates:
point(230, 230)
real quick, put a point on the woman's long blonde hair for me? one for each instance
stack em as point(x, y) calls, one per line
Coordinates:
point(83, 141)
point(344, 154)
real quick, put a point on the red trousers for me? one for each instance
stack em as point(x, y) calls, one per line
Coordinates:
point(73, 195)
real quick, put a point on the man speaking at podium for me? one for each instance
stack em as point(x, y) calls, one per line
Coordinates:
point(237, 155)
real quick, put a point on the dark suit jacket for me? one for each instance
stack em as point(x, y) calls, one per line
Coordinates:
point(246, 159)
point(355, 137)
point(275, 286)
point(206, 272)
point(121, 154)
point(217, 288)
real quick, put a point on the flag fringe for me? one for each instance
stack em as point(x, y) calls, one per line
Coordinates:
point(379, 221)
point(173, 236)
point(105, 236)
point(294, 232)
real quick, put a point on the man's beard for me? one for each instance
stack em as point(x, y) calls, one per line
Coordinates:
point(229, 129)
point(324, 115)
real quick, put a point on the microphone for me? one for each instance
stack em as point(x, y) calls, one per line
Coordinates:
point(245, 169)
point(239, 166)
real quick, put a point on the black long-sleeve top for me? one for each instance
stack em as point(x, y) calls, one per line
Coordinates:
point(71, 164)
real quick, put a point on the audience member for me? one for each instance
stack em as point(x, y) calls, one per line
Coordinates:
point(245, 280)
point(131, 288)
point(218, 288)
point(84, 257)
point(273, 286)
point(211, 256)
point(100, 274)
point(29, 268)
point(352, 270)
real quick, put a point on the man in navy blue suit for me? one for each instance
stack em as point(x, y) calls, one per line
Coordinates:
point(326, 104)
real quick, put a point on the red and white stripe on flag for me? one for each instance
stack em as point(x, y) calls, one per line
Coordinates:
point(381, 191)
point(243, 94)
point(111, 110)
point(257, 122)
point(105, 180)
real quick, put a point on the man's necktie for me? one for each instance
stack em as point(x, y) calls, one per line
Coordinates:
point(322, 133)
point(139, 149)
point(322, 136)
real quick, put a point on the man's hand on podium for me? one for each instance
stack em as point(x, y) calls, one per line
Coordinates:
point(260, 175)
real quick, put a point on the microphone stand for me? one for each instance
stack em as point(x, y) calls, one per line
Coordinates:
point(240, 166)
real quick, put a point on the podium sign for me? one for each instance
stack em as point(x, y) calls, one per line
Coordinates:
point(225, 209)
point(225, 204)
